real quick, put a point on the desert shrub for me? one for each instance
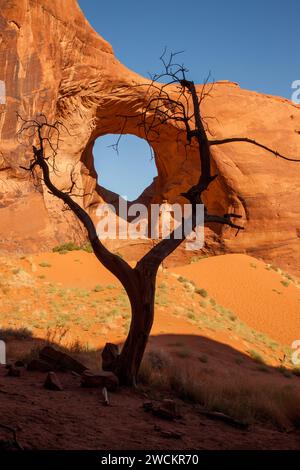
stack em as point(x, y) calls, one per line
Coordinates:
point(87, 247)
point(296, 371)
point(191, 315)
point(274, 268)
point(161, 300)
point(56, 334)
point(256, 356)
point(76, 347)
point(163, 286)
point(263, 368)
point(182, 279)
point(273, 345)
point(190, 286)
point(45, 264)
point(239, 360)
point(183, 352)
point(289, 277)
point(98, 288)
point(195, 259)
point(235, 394)
point(285, 372)
point(153, 367)
point(277, 291)
point(232, 316)
point(202, 292)
point(71, 246)
point(83, 352)
point(81, 293)
point(7, 334)
point(203, 358)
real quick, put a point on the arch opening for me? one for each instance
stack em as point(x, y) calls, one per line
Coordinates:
point(125, 165)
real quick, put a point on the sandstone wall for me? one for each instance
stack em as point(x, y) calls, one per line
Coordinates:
point(53, 62)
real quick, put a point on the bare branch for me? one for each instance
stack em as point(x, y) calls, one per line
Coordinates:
point(253, 142)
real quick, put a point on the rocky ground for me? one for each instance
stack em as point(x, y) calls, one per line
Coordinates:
point(76, 418)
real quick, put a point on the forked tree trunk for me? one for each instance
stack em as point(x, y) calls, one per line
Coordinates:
point(140, 281)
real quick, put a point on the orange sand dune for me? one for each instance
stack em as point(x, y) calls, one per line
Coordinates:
point(238, 282)
point(73, 269)
point(257, 295)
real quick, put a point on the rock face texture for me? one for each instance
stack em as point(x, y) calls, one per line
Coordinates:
point(53, 62)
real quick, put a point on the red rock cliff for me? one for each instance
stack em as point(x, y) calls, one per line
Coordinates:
point(52, 61)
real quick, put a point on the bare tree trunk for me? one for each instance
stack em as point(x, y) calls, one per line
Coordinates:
point(142, 315)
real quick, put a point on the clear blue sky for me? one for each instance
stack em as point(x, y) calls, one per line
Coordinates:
point(255, 43)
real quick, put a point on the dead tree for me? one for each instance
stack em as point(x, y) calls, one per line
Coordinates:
point(139, 282)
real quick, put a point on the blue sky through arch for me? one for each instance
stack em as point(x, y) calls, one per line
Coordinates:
point(130, 171)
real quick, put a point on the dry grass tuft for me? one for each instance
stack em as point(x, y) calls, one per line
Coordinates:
point(236, 395)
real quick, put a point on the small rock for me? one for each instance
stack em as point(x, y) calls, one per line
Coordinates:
point(104, 379)
point(109, 355)
point(38, 365)
point(13, 371)
point(52, 382)
point(167, 409)
point(61, 361)
point(171, 434)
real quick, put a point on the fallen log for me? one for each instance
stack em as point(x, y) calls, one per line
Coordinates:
point(218, 416)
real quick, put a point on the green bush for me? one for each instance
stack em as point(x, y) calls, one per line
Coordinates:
point(98, 288)
point(45, 264)
point(256, 356)
point(87, 247)
point(65, 247)
point(285, 283)
point(71, 246)
point(202, 292)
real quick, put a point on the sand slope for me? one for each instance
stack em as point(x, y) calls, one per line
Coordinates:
point(256, 294)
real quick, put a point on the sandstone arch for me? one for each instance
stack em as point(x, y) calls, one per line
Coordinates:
point(52, 61)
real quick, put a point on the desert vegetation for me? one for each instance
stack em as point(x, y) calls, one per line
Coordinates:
point(236, 395)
